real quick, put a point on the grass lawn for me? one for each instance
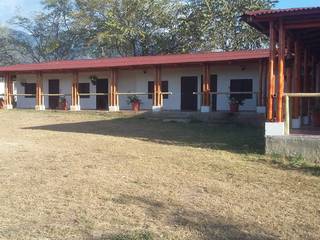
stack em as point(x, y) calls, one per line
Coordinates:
point(111, 176)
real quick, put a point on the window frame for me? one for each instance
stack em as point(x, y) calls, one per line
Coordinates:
point(151, 89)
point(30, 90)
point(87, 84)
point(242, 88)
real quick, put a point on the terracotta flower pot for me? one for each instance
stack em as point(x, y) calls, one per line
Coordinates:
point(316, 119)
point(234, 107)
point(135, 106)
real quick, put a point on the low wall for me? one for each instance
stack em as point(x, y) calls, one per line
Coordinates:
point(305, 146)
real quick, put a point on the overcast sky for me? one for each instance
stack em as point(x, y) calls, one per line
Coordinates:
point(10, 8)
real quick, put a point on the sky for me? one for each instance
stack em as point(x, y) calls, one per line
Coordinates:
point(10, 8)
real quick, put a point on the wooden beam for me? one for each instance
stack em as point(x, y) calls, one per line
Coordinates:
point(303, 25)
point(271, 74)
point(281, 69)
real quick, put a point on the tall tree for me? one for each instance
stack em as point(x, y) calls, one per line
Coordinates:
point(220, 26)
point(53, 33)
point(128, 27)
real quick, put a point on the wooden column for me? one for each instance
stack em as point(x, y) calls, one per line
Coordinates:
point(271, 74)
point(75, 104)
point(8, 91)
point(113, 93)
point(39, 92)
point(297, 79)
point(281, 69)
point(206, 85)
point(157, 97)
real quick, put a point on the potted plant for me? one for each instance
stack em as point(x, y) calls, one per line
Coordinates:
point(234, 102)
point(135, 102)
point(63, 104)
point(316, 115)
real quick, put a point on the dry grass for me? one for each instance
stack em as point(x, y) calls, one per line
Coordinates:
point(95, 177)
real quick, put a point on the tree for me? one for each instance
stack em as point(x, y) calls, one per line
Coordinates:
point(53, 33)
point(220, 26)
point(9, 52)
point(127, 27)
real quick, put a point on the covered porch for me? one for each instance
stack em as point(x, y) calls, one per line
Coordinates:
point(294, 78)
point(187, 82)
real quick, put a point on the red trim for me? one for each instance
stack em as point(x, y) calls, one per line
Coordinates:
point(138, 61)
point(283, 12)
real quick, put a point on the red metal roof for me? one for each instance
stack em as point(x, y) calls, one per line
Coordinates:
point(284, 12)
point(138, 61)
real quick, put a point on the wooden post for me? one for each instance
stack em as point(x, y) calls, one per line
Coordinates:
point(287, 122)
point(75, 104)
point(113, 93)
point(8, 91)
point(297, 79)
point(271, 83)
point(157, 99)
point(39, 93)
point(206, 85)
point(281, 73)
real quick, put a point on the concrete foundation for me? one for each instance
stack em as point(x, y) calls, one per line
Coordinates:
point(306, 120)
point(8, 107)
point(75, 108)
point(40, 107)
point(274, 129)
point(156, 108)
point(296, 123)
point(114, 109)
point(305, 146)
point(205, 109)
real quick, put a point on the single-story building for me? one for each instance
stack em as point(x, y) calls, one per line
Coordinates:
point(184, 82)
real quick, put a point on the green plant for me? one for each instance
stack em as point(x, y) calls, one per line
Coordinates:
point(133, 99)
point(296, 161)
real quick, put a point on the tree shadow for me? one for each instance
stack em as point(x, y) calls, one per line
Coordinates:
point(230, 137)
point(206, 226)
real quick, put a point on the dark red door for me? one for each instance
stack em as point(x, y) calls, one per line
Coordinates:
point(54, 86)
point(102, 87)
point(189, 101)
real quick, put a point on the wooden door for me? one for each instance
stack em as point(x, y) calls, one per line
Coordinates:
point(54, 88)
point(102, 101)
point(189, 101)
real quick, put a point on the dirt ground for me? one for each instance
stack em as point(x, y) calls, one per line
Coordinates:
point(110, 176)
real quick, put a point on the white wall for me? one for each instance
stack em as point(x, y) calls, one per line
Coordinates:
point(137, 81)
point(1, 88)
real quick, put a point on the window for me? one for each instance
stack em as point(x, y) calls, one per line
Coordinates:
point(150, 89)
point(241, 85)
point(164, 88)
point(30, 88)
point(84, 88)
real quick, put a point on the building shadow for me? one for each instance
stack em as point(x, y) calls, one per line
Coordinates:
point(230, 137)
point(204, 225)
